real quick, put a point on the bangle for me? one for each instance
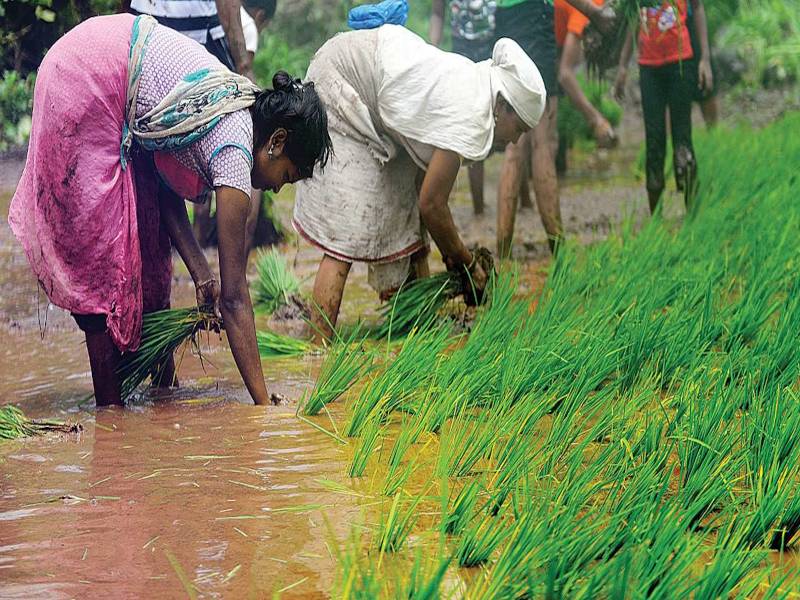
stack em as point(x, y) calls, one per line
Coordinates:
point(205, 283)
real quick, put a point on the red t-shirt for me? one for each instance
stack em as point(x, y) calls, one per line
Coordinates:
point(663, 36)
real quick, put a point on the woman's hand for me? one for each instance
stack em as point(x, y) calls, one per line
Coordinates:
point(207, 293)
point(705, 78)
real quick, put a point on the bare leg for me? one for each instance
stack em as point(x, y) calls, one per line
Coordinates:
point(475, 172)
point(419, 264)
point(545, 182)
point(527, 168)
point(507, 194)
point(328, 289)
point(104, 358)
point(166, 377)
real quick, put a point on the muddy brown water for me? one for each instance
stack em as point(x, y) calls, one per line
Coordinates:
point(198, 492)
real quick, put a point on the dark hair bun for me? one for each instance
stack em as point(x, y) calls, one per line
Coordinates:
point(283, 82)
point(296, 107)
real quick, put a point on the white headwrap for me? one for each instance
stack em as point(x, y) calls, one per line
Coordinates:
point(518, 80)
point(445, 100)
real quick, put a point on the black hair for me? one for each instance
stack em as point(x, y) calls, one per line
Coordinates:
point(268, 6)
point(296, 107)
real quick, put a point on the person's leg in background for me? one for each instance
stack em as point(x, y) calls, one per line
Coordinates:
point(654, 106)
point(679, 96)
point(545, 181)
point(527, 168)
point(511, 175)
point(531, 25)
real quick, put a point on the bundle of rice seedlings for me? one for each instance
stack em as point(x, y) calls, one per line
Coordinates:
point(163, 332)
point(276, 284)
point(345, 364)
point(416, 304)
point(14, 424)
point(272, 345)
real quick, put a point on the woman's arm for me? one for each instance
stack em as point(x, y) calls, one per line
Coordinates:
point(437, 218)
point(176, 220)
point(237, 311)
point(622, 70)
point(434, 211)
point(705, 79)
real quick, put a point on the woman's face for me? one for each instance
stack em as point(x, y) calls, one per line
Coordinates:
point(508, 126)
point(272, 168)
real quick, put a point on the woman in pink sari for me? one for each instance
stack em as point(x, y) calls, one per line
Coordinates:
point(129, 119)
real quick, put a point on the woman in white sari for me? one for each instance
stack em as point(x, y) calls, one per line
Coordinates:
point(402, 116)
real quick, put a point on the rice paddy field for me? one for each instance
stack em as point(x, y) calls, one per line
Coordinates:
point(627, 429)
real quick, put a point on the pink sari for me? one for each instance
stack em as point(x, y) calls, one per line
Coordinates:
point(91, 230)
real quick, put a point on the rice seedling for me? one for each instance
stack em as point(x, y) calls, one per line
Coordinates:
point(276, 284)
point(15, 424)
point(371, 435)
point(416, 304)
point(479, 540)
point(395, 528)
point(345, 363)
point(163, 332)
point(275, 345)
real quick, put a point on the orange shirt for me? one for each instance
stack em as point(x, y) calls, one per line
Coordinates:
point(569, 20)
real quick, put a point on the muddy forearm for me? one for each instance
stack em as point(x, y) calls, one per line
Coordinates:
point(240, 329)
point(434, 212)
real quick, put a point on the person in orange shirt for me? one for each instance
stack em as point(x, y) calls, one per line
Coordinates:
point(569, 26)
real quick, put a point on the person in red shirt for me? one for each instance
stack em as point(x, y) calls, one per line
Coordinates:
point(665, 53)
point(569, 25)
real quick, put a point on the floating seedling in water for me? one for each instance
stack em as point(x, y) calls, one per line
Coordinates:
point(15, 424)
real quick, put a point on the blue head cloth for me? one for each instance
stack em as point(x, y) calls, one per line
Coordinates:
point(370, 16)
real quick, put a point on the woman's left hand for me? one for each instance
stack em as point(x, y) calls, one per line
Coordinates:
point(705, 79)
point(207, 293)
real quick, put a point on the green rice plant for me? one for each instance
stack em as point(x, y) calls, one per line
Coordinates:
point(276, 284)
point(163, 332)
point(395, 528)
point(357, 578)
point(462, 509)
point(15, 424)
point(416, 305)
point(392, 388)
point(425, 579)
point(345, 363)
point(371, 436)
point(275, 345)
point(479, 540)
point(731, 570)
